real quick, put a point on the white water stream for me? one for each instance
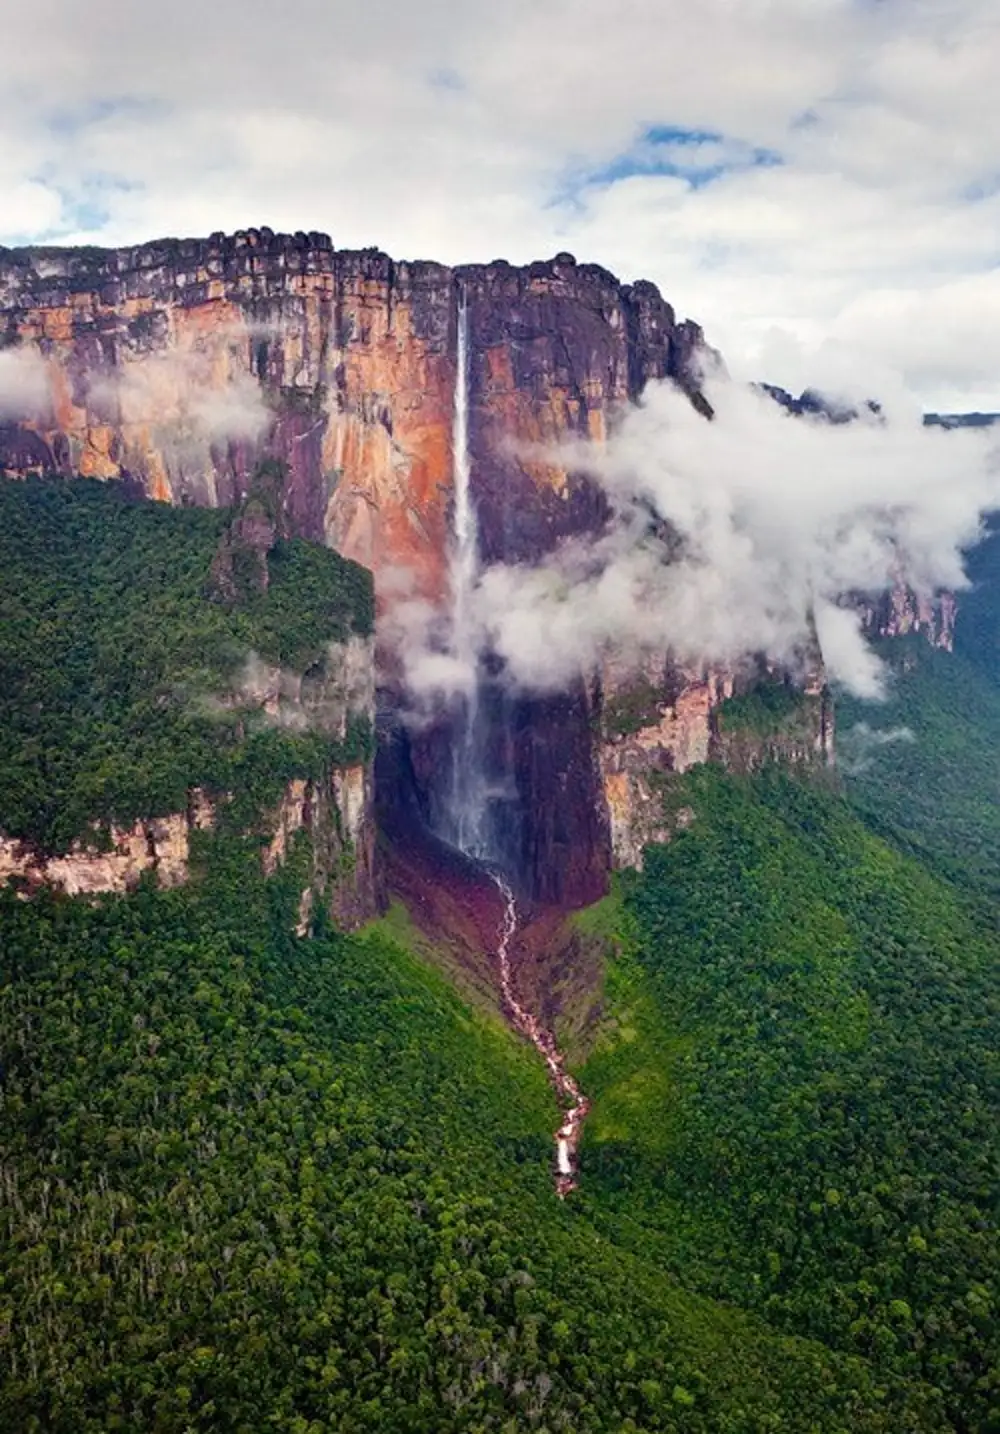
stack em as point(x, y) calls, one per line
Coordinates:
point(576, 1105)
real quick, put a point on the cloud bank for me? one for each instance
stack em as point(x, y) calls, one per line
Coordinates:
point(791, 173)
point(731, 538)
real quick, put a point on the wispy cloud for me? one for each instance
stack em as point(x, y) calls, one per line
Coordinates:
point(24, 387)
point(732, 539)
point(859, 745)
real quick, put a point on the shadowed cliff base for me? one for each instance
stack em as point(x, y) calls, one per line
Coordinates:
point(518, 958)
point(546, 810)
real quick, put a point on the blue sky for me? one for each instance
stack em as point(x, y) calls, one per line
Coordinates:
point(696, 156)
point(815, 180)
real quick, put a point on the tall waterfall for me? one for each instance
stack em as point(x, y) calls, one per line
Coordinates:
point(467, 807)
point(475, 800)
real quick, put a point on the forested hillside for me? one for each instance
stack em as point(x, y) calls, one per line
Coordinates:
point(116, 646)
point(256, 1182)
point(796, 1088)
point(924, 765)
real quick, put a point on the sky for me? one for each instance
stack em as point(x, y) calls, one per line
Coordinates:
point(817, 182)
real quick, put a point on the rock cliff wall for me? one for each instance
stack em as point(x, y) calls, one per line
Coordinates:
point(183, 363)
point(655, 718)
point(116, 863)
point(901, 611)
point(337, 816)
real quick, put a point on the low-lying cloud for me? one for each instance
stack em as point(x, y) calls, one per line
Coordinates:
point(191, 402)
point(858, 747)
point(24, 387)
point(741, 536)
point(236, 411)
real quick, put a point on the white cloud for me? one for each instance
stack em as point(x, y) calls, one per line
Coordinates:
point(738, 537)
point(24, 388)
point(461, 130)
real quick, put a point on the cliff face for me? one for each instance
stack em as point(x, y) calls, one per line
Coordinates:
point(901, 611)
point(655, 719)
point(157, 844)
point(337, 816)
point(652, 719)
point(183, 363)
point(338, 813)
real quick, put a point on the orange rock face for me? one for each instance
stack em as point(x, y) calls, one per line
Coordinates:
point(182, 364)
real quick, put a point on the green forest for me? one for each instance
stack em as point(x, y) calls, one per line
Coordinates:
point(115, 652)
point(923, 767)
point(797, 1105)
point(252, 1182)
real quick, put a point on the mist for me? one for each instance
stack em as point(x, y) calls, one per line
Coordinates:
point(858, 747)
point(745, 536)
point(24, 387)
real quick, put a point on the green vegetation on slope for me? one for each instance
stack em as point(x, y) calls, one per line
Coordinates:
point(797, 1103)
point(252, 1182)
point(113, 652)
point(923, 767)
point(766, 709)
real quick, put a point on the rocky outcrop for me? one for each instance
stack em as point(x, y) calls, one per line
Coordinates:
point(653, 719)
point(656, 719)
point(801, 740)
point(333, 696)
point(338, 818)
point(114, 860)
point(901, 611)
point(336, 815)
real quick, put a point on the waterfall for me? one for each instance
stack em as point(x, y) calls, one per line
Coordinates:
point(467, 806)
point(472, 801)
